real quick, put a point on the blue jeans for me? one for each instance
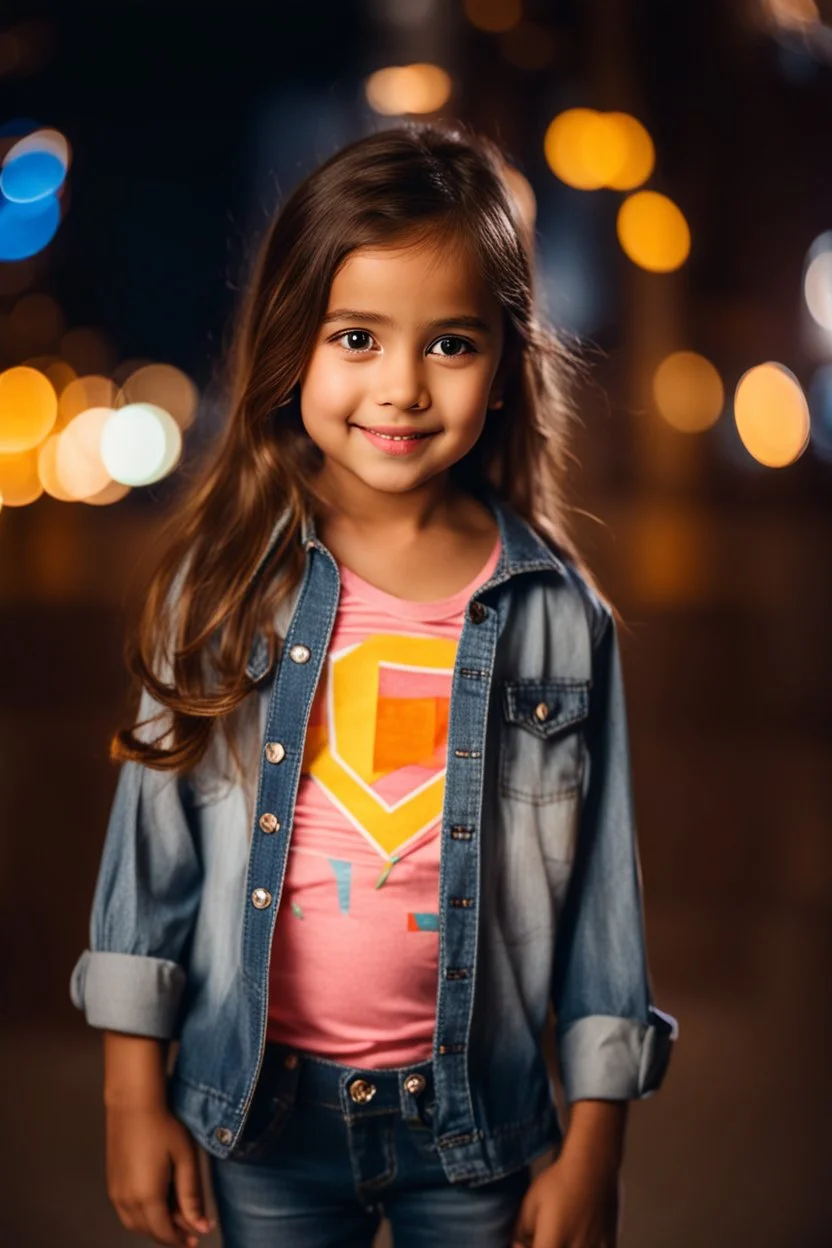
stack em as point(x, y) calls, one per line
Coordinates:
point(329, 1149)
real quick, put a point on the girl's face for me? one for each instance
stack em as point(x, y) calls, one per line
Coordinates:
point(409, 345)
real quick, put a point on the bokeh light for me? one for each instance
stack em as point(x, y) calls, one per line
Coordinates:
point(419, 88)
point(57, 370)
point(164, 386)
point(110, 494)
point(80, 467)
point(19, 480)
point(92, 390)
point(688, 391)
point(31, 177)
point(46, 140)
point(48, 472)
point(26, 229)
point(28, 408)
point(140, 444)
point(817, 285)
point(588, 149)
point(772, 415)
point(653, 232)
point(493, 15)
point(638, 155)
point(820, 407)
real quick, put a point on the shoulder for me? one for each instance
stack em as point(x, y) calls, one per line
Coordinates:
point(597, 609)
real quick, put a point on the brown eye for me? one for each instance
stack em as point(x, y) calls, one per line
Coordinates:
point(351, 335)
point(452, 343)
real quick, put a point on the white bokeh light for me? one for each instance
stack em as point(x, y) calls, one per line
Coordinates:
point(140, 444)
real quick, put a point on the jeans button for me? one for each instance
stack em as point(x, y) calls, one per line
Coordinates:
point(361, 1091)
point(414, 1084)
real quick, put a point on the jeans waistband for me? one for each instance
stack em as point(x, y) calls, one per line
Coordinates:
point(355, 1090)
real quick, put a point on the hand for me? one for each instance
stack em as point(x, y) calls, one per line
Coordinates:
point(571, 1204)
point(144, 1145)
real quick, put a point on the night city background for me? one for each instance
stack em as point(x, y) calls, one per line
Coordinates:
point(673, 160)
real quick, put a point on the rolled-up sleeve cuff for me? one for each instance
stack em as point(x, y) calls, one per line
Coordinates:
point(128, 992)
point(603, 1057)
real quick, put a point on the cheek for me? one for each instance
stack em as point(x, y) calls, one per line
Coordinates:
point(326, 391)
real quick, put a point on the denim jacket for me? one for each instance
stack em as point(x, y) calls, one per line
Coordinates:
point(539, 892)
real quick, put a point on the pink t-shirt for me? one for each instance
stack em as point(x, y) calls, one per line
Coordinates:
point(354, 959)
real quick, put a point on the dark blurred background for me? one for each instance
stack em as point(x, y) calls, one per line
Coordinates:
point(703, 472)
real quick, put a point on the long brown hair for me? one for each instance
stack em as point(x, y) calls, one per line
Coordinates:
point(204, 602)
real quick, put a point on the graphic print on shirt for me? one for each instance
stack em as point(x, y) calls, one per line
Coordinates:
point(378, 733)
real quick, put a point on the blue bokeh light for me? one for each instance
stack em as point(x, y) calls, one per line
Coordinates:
point(32, 176)
point(25, 229)
point(820, 408)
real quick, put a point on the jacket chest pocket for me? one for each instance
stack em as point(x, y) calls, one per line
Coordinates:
point(542, 744)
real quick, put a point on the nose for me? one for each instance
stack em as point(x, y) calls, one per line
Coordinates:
point(402, 384)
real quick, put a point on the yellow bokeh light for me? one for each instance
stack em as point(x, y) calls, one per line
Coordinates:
point(638, 155)
point(28, 408)
point(493, 15)
point(653, 232)
point(47, 466)
point(588, 149)
point(164, 386)
point(688, 391)
point(772, 415)
point(92, 390)
point(419, 88)
point(110, 494)
point(19, 480)
point(576, 149)
point(80, 467)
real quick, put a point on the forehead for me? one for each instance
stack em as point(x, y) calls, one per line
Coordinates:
point(442, 276)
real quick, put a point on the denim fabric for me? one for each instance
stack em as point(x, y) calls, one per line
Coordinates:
point(316, 1168)
point(539, 893)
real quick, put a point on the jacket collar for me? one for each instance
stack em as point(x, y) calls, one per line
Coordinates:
point(522, 550)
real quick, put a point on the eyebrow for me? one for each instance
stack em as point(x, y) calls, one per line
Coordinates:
point(377, 318)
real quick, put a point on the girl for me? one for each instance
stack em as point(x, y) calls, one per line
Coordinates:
point(375, 821)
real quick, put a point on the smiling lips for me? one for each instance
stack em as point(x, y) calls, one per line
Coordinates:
point(394, 440)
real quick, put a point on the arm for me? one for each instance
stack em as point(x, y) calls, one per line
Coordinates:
point(129, 983)
point(613, 1044)
point(132, 976)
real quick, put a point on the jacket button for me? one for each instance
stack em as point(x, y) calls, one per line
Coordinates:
point(261, 897)
point(275, 752)
point(361, 1091)
point(224, 1135)
point(541, 711)
point(414, 1084)
point(300, 654)
point(269, 822)
point(477, 612)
